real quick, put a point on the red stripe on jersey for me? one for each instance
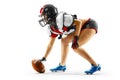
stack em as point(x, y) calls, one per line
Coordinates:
point(55, 30)
point(65, 28)
point(53, 35)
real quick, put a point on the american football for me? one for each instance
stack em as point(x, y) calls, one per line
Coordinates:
point(38, 66)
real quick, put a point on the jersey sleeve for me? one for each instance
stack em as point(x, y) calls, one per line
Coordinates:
point(53, 35)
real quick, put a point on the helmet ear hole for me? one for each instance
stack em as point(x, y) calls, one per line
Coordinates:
point(46, 9)
point(49, 13)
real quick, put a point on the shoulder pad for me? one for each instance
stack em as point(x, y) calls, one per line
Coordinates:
point(68, 20)
point(64, 19)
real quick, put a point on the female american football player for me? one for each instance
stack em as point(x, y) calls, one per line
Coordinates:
point(69, 29)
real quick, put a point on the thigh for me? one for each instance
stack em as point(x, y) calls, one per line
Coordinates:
point(68, 38)
point(86, 35)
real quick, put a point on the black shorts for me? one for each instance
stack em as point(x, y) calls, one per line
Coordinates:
point(90, 24)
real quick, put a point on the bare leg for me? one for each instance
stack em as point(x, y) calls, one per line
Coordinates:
point(84, 54)
point(84, 37)
point(65, 47)
point(64, 52)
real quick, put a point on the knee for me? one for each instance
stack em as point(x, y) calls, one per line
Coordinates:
point(75, 50)
point(64, 42)
point(78, 49)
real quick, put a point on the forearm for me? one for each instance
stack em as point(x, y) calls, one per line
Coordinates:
point(49, 47)
point(78, 28)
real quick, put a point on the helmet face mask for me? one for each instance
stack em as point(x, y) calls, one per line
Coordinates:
point(43, 20)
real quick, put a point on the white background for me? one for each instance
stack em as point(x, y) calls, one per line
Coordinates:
point(23, 39)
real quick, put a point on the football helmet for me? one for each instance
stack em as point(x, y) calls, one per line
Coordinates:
point(47, 14)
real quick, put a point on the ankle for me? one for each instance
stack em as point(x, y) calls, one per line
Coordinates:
point(61, 64)
point(94, 64)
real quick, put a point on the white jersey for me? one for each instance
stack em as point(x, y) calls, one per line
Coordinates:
point(63, 20)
